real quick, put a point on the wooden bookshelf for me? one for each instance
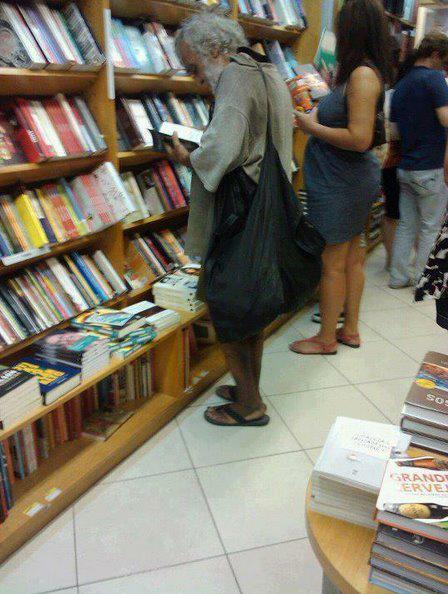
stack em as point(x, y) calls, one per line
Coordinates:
point(398, 19)
point(147, 83)
point(127, 159)
point(33, 172)
point(19, 81)
point(256, 28)
point(165, 217)
point(75, 466)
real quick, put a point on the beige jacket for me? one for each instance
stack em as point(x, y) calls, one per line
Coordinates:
point(236, 137)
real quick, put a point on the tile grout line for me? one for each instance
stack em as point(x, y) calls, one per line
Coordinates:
point(285, 424)
point(75, 546)
point(207, 503)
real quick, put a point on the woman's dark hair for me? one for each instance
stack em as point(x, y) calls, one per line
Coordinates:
point(362, 36)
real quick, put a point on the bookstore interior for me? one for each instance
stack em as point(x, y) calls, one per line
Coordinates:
point(109, 480)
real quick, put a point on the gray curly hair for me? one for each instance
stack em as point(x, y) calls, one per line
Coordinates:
point(207, 30)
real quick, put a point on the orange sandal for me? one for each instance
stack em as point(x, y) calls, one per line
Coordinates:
point(320, 347)
point(351, 340)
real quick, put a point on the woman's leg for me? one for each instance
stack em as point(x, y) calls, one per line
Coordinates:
point(332, 289)
point(354, 275)
point(332, 297)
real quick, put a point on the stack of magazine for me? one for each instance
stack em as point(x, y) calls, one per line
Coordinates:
point(425, 411)
point(158, 317)
point(347, 476)
point(410, 550)
point(178, 290)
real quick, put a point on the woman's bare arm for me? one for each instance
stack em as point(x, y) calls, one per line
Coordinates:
point(363, 93)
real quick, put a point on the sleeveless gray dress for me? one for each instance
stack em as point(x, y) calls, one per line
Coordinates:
point(341, 184)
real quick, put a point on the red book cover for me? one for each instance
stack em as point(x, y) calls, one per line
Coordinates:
point(63, 214)
point(63, 422)
point(9, 462)
point(171, 183)
point(79, 119)
point(161, 257)
point(163, 193)
point(62, 126)
point(11, 152)
point(30, 145)
point(97, 198)
point(22, 108)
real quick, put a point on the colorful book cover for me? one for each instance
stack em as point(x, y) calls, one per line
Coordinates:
point(49, 376)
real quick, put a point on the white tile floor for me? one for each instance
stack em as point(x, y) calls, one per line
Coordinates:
point(205, 510)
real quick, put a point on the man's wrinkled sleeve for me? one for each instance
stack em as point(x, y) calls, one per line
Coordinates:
point(224, 147)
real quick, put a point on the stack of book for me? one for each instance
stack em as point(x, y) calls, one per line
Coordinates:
point(410, 551)
point(40, 36)
point(19, 395)
point(55, 379)
point(178, 290)
point(425, 411)
point(49, 292)
point(144, 47)
point(152, 256)
point(160, 188)
point(158, 317)
point(88, 352)
point(285, 12)
point(347, 476)
point(139, 119)
point(59, 211)
point(36, 130)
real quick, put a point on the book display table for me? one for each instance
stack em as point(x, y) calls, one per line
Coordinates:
point(343, 550)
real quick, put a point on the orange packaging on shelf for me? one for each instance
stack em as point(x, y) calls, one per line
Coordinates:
point(300, 93)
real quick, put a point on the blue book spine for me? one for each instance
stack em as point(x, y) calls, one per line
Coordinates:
point(88, 276)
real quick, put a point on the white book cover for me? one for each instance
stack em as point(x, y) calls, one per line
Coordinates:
point(113, 190)
point(356, 452)
point(142, 121)
point(109, 272)
point(416, 488)
point(185, 133)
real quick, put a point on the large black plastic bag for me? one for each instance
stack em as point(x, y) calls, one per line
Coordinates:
point(265, 257)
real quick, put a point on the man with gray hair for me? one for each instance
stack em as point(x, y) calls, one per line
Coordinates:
point(214, 50)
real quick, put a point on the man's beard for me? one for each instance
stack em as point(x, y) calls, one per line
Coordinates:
point(213, 74)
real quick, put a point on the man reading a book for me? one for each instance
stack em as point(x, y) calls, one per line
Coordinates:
point(214, 50)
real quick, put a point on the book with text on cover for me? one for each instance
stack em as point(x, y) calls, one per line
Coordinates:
point(55, 379)
point(414, 495)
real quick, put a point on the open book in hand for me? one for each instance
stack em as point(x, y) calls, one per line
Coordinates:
point(190, 137)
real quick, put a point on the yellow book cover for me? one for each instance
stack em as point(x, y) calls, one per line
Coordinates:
point(13, 219)
point(30, 220)
point(81, 226)
point(47, 207)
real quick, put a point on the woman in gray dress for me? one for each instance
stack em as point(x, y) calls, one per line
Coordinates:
point(342, 175)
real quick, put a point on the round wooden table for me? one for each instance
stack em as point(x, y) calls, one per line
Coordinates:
point(343, 550)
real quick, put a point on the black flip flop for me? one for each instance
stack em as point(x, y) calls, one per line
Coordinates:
point(230, 389)
point(240, 420)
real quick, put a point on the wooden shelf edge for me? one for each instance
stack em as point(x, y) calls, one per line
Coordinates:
point(21, 81)
point(404, 22)
point(54, 250)
point(32, 172)
point(128, 158)
point(141, 83)
point(166, 216)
